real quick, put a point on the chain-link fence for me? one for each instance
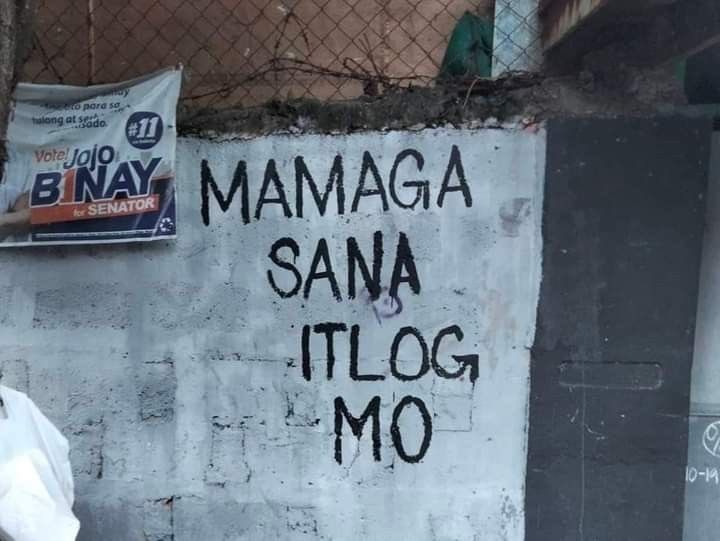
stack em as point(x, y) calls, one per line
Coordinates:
point(244, 52)
point(517, 44)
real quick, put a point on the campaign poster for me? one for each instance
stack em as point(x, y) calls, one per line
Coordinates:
point(91, 165)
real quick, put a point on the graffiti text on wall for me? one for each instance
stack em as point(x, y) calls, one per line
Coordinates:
point(386, 271)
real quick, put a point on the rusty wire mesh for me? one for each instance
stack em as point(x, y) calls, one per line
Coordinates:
point(244, 52)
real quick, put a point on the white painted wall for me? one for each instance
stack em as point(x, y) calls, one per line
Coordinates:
point(174, 369)
point(703, 467)
point(705, 394)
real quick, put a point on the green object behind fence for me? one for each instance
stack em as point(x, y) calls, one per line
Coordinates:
point(469, 51)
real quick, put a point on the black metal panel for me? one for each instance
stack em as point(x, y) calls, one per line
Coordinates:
point(610, 378)
point(702, 77)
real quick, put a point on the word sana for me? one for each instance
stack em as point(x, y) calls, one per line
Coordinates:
point(321, 268)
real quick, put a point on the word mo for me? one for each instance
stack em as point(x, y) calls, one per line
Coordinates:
point(357, 425)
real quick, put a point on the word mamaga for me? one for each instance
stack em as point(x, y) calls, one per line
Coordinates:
point(405, 194)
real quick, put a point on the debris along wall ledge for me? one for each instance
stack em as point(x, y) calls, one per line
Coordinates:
point(335, 347)
point(511, 98)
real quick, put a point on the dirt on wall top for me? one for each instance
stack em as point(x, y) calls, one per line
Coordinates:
point(522, 97)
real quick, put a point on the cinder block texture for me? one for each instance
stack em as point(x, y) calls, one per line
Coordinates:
point(177, 371)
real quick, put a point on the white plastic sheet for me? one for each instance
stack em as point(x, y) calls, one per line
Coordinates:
point(36, 484)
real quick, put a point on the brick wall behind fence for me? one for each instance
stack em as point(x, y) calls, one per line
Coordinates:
point(228, 45)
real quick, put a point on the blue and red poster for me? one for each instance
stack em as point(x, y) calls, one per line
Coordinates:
point(91, 164)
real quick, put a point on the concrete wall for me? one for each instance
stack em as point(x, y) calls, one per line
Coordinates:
point(176, 370)
point(706, 377)
point(702, 477)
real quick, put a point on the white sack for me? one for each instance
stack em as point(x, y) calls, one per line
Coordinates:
point(36, 484)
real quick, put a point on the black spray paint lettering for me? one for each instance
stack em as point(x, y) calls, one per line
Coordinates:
point(422, 186)
point(275, 257)
point(356, 259)
point(428, 358)
point(424, 357)
point(272, 178)
point(335, 178)
point(355, 374)
point(329, 329)
point(372, 411)
point(427, 429)
point(455, 164)
point(368, 165)
point(465, 363)
point(321, 269)
point(239, 181)
point(407, 190)
point(370, 185)
point(357, 424)
point(322, 256)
